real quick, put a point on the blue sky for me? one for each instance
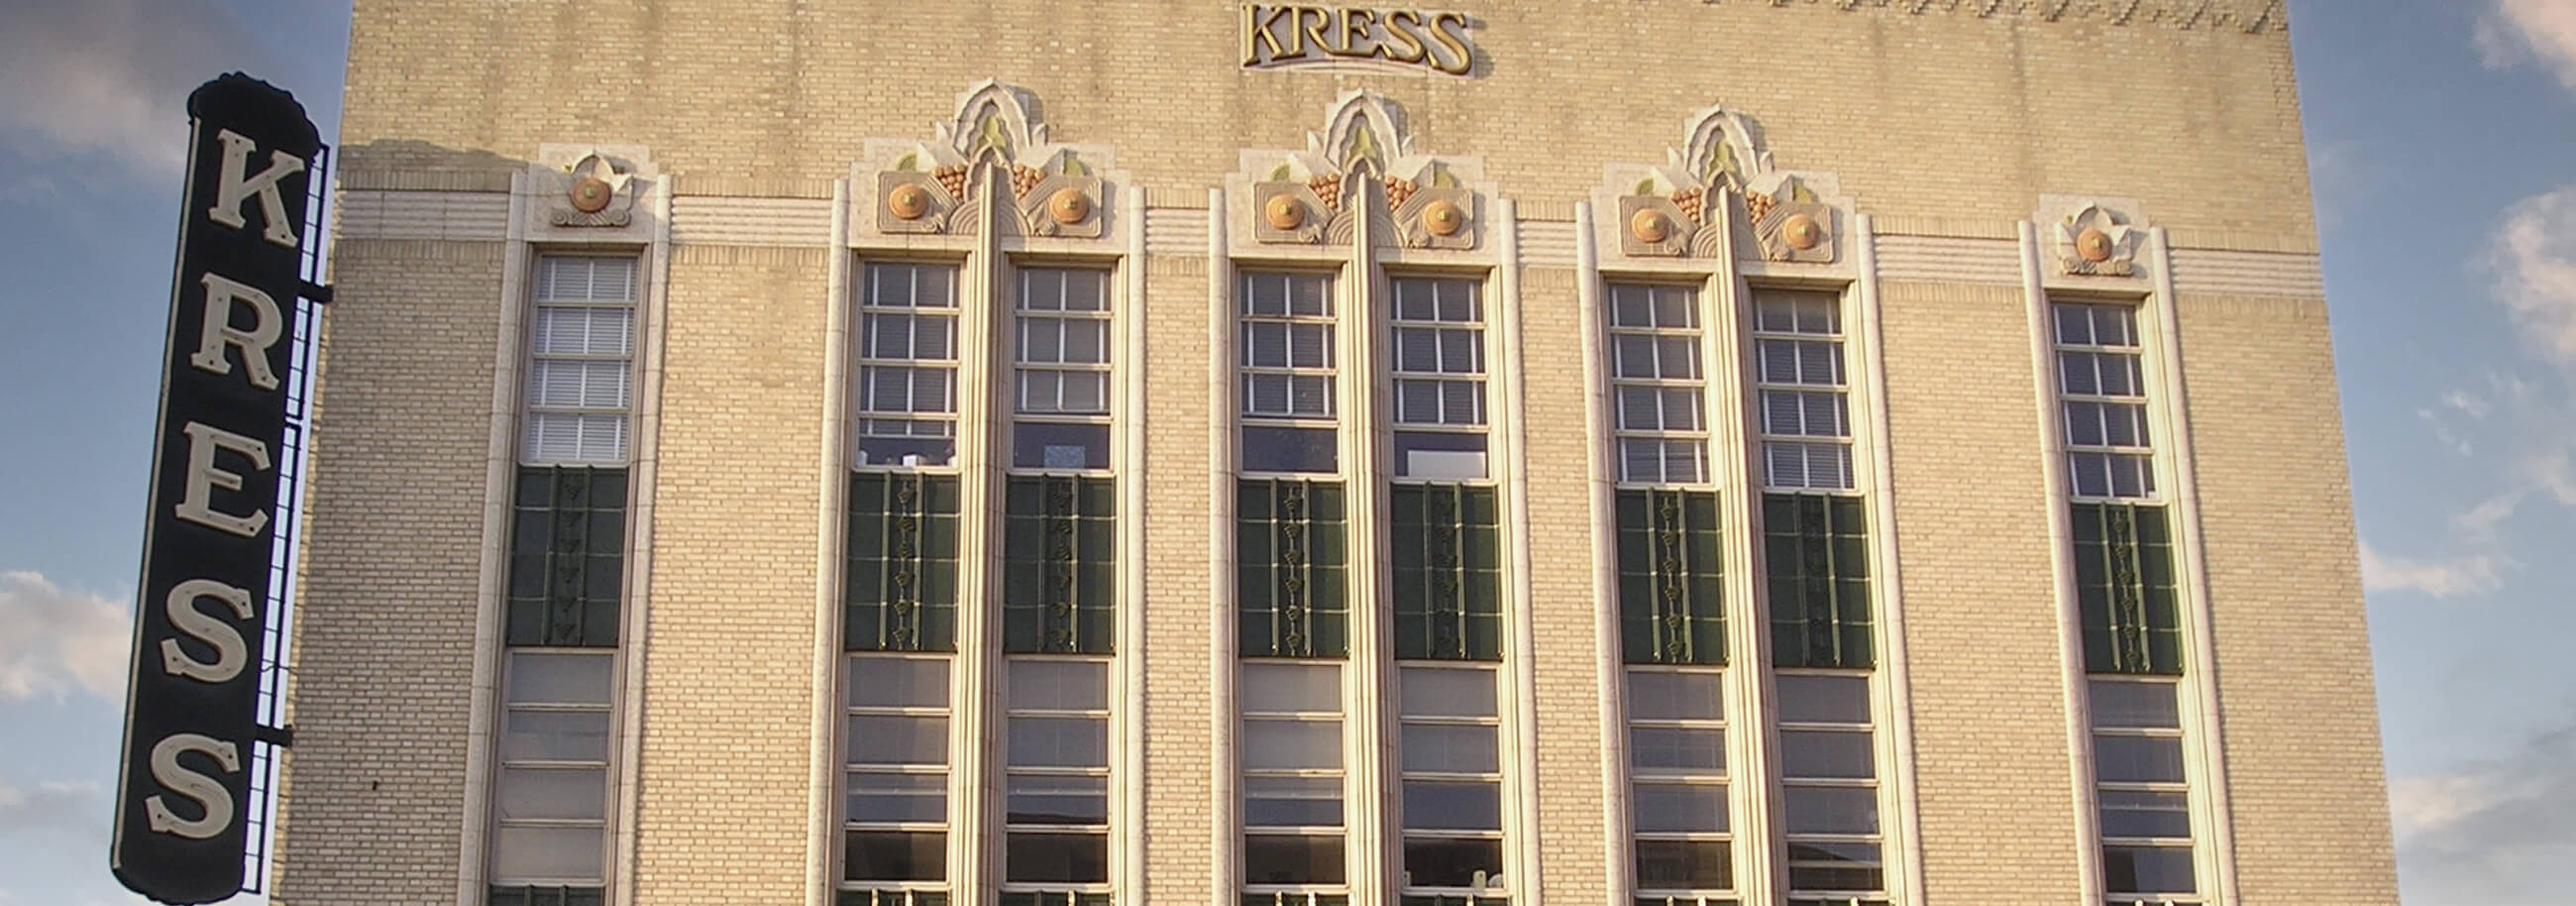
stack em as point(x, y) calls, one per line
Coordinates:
point(2442, 136)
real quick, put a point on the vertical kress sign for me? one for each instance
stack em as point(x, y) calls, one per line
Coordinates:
point(193, 696)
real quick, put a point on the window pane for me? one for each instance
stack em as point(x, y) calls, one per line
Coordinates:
point(895, 855)
point(885, 739)
point(555, 736)
point(1834, 866)
point(547, 853)
point(1307, 450)
point(1059, 742)
point(567, 679)
point(1656, 695)
point(2137, 759)
point(1057, 799)
point(898, 682)
point(1438, 692)
point(1437, 862)
point(1277, 688)
point(1685, 865)
point(2148, 869)
point(1282, 859)
point(1058, 685)
point(1453, 805)
point(576, 794)
point(1824, 699)
point(1807, 753)
point(1292, 744)
point(1677, 749)
point(2134, 813)
point(897, 797)
point(1058, 858)
point(1292, 801)
point(1680, 808)
point(2135, 705)
point(1450, 748)
point(1830, 810)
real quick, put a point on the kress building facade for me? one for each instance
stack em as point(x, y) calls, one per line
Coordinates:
point(1196, 453)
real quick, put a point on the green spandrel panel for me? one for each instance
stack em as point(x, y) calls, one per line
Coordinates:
point(899, 580)
point(1671, 604)
point(1445, 568)
point(2126, 593)
point(1815, 547)
point(567, 556)
point(1292, 571)
point(1059, 568)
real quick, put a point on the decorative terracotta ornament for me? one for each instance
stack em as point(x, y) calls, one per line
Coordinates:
point(1068, 206)
point(1444, 218)
point(1284, 212)
point(1803, 232)
point(2094, 245)
point(1650, 226)
point(592, 195)
point(908, 202)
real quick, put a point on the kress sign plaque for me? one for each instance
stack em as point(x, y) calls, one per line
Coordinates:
point(192, 698)
point(1281, 36)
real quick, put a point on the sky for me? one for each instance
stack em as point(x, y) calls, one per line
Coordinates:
point(2442, 145)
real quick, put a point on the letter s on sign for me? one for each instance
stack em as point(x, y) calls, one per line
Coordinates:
point(207, 791)
point(231, 654)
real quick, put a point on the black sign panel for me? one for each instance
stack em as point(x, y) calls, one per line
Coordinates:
point(193, 695)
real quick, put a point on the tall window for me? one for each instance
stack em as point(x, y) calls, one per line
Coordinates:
point(567, 572)
point(897, 816)
point(1829, 781)
point(1056, 783)
point(1439, 363)
point(2102, 390)
point(1291, 370)
point(900, 588)
point(1815, 548)
point(1453, 785)
point(1294, 825)
point(1658, 386)
point(1061, 349)
point(2129, 602)
point(907, 367)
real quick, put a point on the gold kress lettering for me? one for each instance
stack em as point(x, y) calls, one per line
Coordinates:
point(1450, 29)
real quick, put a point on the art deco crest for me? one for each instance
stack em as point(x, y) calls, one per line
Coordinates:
point(997, 141)
point(2093, 239)
point(596, 191)
point(1668, 210)
point(1317, 195)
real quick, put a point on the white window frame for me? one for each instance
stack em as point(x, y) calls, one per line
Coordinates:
point(1694, 337)
point(1108, 369)
point(1335, 374)
point(1393, 375)
point(1723, 778)
point(947, 827)
point(1104, 771)
point(1838, 335)
point(1497, 887)
point(2142, 402)
point(1340, 775)
point(606, 764)
point(1878, 784)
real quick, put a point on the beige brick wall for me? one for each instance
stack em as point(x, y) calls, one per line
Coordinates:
point(1995, 782)
point(385, 631)
point(1179, 840)
point(1564, 604)
point(2294, 674)
point(729, 639)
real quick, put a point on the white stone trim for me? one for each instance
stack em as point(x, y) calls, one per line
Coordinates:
point(1902, 844)
point(1224, 707)
point(2215, 272)
point(2061, 540)
point(1546, 243)
point(1947, 260)
point(795, 222)
point(1509, 463)
point(1174, 231)
point(458, 216)
point(644, 467)
point(1127, 717)
point(824, 795)
point(1603, 474)
point(1753, 733)
point(974, 770)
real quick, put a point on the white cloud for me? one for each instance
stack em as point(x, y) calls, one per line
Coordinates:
point(2492, 833)
point(110, 78)
point(2470, 575)
point(2534, 264)
point(53, 640)
point(2517, 30)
